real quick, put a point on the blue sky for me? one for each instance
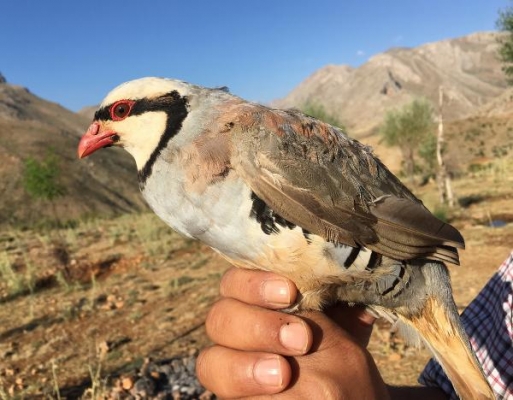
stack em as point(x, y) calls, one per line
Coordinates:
point(74, 52)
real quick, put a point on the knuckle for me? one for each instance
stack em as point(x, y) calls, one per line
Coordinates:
point(215, 318)
point(353, 352)
point(202, 366)
point(356, 355)
point(321, 385)
point(227, 282)
point(219, 320)
point(329, 389)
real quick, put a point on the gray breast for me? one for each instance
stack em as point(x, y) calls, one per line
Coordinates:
point(219, 216)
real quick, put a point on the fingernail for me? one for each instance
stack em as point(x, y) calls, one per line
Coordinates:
point(267, 372)
point(294, 337)
point(277, 292)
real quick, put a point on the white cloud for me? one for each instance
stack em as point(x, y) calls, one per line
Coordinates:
point(360, 53)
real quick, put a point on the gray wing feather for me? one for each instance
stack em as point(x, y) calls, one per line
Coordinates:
point(336, 188)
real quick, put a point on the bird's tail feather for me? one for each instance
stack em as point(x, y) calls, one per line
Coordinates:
point(451, 347)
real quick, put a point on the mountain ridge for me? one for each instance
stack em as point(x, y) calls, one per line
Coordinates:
point(467, 68)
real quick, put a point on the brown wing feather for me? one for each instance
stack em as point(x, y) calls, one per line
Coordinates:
point(316, 177)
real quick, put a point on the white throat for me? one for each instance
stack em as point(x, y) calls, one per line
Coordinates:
point(142, 134)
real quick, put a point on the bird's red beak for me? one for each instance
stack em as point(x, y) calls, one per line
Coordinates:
point(94, 139)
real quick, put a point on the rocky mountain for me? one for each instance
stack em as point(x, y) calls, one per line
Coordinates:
point(466, 67)
point(103, 184)
point(500, 106)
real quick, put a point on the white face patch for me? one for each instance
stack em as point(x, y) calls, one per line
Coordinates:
point(140, 134)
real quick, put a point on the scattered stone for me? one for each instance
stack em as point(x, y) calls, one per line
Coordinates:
point(207, 395)
point(127, 382)
point(110, 302)
point(143, 388)
point(170, 379)
point(19, 382)
point(103, 348)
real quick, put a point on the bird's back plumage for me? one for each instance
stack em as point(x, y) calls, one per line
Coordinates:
point(315, 176)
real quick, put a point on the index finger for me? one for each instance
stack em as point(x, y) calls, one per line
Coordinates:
point(259, 288)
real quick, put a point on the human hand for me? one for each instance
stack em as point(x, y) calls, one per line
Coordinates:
point(260, 352)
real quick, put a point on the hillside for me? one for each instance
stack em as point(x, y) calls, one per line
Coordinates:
point(467, 67)
point(87, 112)
point(105, 184)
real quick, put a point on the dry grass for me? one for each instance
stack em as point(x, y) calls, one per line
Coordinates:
point(130, 283)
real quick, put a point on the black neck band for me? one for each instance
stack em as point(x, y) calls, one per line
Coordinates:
point(176, 108)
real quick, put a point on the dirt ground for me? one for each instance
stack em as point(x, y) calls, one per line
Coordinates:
point(83, 306)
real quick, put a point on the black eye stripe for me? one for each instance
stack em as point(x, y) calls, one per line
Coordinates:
point(102, 114)
point(161, 103)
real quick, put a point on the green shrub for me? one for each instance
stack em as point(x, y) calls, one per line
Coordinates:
point(318, 111)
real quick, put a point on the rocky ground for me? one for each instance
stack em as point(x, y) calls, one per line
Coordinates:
point(115, 308)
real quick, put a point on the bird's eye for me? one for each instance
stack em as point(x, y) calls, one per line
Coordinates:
point(121, 110)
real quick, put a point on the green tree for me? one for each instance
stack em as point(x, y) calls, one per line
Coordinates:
point(427, 152)
point(408, 128)
point(318, 111)
point(41, 180)
point(505, 24)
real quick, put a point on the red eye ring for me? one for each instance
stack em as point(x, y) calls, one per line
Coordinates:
point(121, 109)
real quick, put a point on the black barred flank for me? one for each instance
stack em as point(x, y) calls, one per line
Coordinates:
point(374, 261)
point(399, 279)
point(307, 234)
point(352, 257)
point(266, 217)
